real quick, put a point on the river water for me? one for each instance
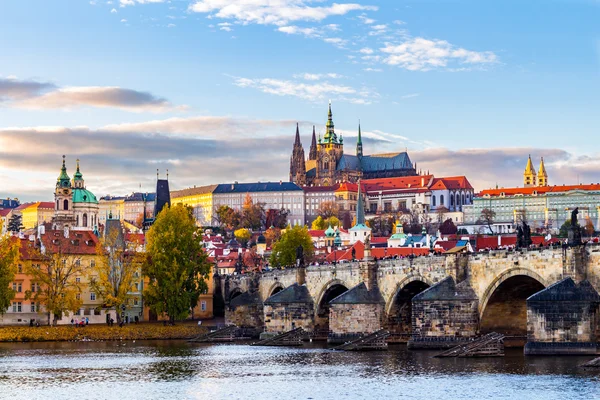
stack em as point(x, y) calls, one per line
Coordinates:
point(178, 370)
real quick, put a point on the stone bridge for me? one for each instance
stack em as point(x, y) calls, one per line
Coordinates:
point(434, 301)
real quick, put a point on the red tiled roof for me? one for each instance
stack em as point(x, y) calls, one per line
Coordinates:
point(138, 238)
point(528, 191)
point(78, 242)
point(316, 232)
point(315, 189)
point(378, 252)
point(446, 244)
point(379, 239)
point(5, 212)
point(46, 204)
point(451, 182)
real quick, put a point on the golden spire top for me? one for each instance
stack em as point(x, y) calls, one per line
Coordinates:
point(542, 169)
point(529, 168)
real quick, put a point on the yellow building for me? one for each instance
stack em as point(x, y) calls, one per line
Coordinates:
point(108, 205)
point(37, 213)
point(200, 199)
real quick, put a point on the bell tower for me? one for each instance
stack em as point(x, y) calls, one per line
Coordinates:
point(542, 175)
point(529, 174)
point(63, 200)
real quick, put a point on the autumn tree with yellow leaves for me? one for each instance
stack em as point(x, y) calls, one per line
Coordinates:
point(9, 252)
point(59, 275)
point(115, 271)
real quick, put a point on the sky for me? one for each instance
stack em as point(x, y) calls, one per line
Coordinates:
point(211, 90)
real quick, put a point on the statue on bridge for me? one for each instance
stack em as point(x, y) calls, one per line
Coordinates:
point(299, 256)
point(575, 229)
point(523, 235)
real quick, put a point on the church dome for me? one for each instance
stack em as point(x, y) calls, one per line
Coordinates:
point(261, 239)
point(84, 196)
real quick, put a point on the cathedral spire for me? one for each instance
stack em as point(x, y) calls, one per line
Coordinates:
point(359, 148)
point(330, 136)
point(542, 175)
point(312, 154)
point(297, 141)
point(529, 174)
point(360, 208)
point(63, 179)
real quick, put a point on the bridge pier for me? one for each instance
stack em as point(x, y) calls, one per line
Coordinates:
point(562, 319)
point(246, 312)
point(444, 316)
point(291, 308)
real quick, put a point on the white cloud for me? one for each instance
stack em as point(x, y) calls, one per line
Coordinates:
point(332, 27)
point(316, 77)
point(315, 92)
point(366, 50)
point(339, 42)
point(378, 30)
point(113, 11)
point(372, 69)
point(411, 95)
point(366, 20)
point(171, 26)
point(225, 26)
point(124, 3)
point(419, 54)
point(272, 12)
point(296, 30)
point(399, 22)
point(123, 20)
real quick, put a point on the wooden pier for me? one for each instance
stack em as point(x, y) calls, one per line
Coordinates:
point(289, 338)
point(372, 341)
point(490, 345)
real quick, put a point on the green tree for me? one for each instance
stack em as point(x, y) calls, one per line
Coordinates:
point(113, 277)
point(564, 229)
point(284, 250)
point(15, 223)
point(9, 254)
point(333, 221)
point(175, 263)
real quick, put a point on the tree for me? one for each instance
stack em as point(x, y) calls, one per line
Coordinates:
point(253, 214)
point(318, 223)
point(347, 220)
point(58, 274)
point(175, 263)
point(589, 227)
point(440, 213)
point(115, 270)
point(284, 250)
point(277, 218)
point(487, 218)
point(272, 235)
point(15, 224)
point(139, 221)
point(328, 209)
point(448, 227)
point(243, 235)
point(564, 229)
point(9, 253)
point(228, 217)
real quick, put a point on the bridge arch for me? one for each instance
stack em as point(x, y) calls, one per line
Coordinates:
point(503, 306)
point(398, 307)
point(275, 288)
point(235, 292)
point(328, 292)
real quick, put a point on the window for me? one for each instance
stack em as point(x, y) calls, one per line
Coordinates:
point(78, 296)
point(137, 286)
point(33, 307)
point(93, 263)
point(19, 306)
point(14, 286)
point(19, 287)
point(20, 269)
point(66, 205)
point(203, 305)
point(441, 199)
point(14, 306)
point(78, 280)
point(135, 301)
point(92, 296)
point(433, 201)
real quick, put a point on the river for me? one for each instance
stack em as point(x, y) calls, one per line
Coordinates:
point(178, 370)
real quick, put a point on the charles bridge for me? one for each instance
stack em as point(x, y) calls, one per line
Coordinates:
point(545, 298)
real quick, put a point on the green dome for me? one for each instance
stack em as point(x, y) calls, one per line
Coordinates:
point(329, 232)
point(84, 196)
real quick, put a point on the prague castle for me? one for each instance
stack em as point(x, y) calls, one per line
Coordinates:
point(327, 164)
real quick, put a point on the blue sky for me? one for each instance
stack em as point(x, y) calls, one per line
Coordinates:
point(211, 89)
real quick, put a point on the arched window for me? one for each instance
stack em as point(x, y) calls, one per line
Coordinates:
point(441, 199)
point(77, 220)
point(451, 199)
point(57, 204)
point(457, 199)
point(463, 199)
point(433, 200)
point(66, 205)
point(85, 220)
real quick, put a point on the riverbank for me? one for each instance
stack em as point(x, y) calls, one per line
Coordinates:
point(145, 331)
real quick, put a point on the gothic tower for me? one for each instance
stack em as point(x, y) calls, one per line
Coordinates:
point(312, 154)
point(542, 176)
point(297, 162)
point(529, 174)
point(359, 148)
point(329, 152)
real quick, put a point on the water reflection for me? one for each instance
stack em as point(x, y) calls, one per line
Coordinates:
point(128, 370)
